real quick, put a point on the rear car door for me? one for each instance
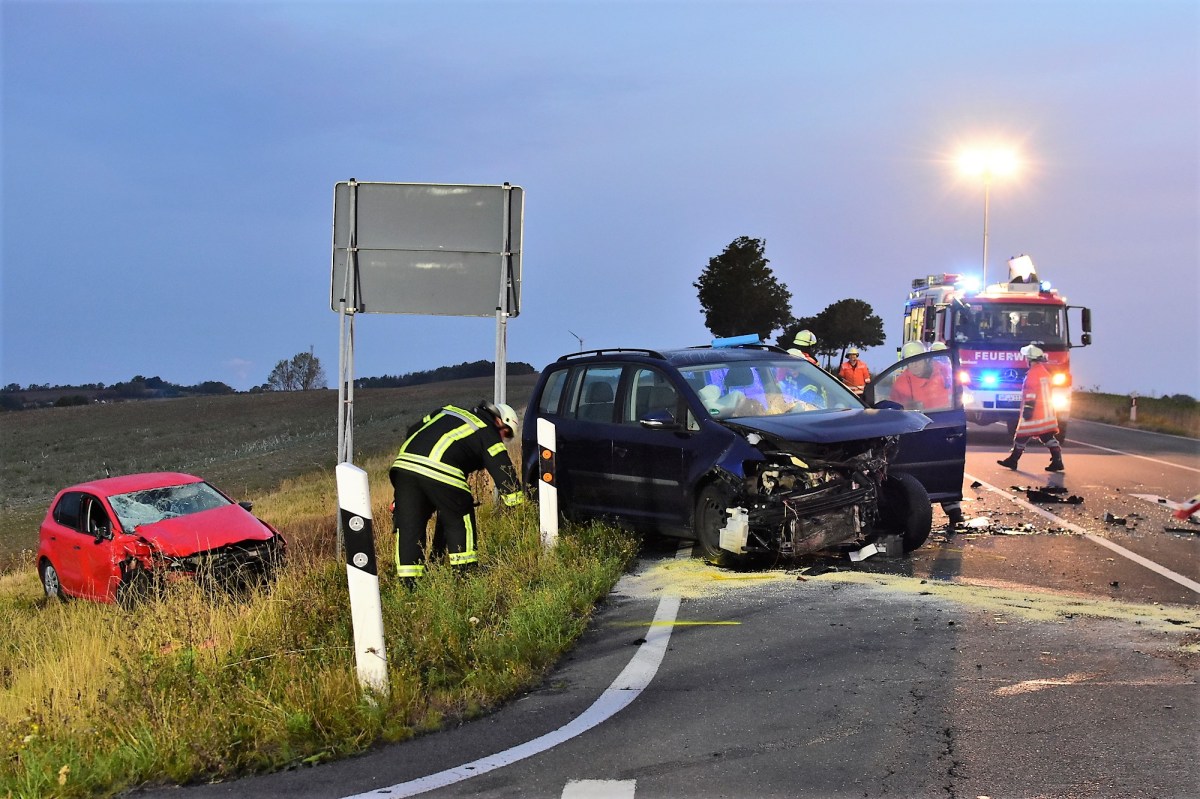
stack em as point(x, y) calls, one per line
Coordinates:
point(584, 432)
point(937, 455)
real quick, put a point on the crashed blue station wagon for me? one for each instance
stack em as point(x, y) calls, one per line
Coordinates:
point(748, 450)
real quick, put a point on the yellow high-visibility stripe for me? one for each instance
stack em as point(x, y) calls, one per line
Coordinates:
point(428, 463)
point(496, 449)
point(515, 498)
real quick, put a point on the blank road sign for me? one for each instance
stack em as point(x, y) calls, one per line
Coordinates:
point(426, 248)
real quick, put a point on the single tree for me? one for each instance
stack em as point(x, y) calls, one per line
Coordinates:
point(301, 373)
point(740, 294)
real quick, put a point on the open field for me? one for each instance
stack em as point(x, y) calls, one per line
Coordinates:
point(244, 444)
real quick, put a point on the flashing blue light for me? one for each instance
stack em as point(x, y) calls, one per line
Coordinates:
point(989, 379)
point(733, 341)
point(1044, 285)
point(970, 283)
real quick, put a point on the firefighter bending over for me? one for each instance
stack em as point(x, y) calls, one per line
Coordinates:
point(430, 474)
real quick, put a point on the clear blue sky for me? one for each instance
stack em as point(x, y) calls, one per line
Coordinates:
point(168, 169)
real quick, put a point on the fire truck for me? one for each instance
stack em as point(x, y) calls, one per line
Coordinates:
point(987, 329)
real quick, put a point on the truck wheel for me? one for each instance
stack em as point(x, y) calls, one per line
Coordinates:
point(905, 510)
point(711, 516)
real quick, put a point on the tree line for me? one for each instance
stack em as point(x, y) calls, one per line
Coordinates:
point(739, 294)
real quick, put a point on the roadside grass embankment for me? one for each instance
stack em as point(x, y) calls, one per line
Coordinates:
point(189, 687)
point(193, 687)
point(1178, 416)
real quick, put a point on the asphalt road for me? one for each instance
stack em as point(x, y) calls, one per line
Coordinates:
point(1015, 657)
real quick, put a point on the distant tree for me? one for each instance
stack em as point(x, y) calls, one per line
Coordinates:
point(12, 387)
point(843, 324)
point(302, 373)
point(740, 294)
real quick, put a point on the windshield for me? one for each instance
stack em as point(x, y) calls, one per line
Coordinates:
point(766, 388)
point(1011, 323)
point(155, 504)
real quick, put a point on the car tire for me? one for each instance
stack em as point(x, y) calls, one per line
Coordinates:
point(711, 515)
point(50, 581)
point(905, 510)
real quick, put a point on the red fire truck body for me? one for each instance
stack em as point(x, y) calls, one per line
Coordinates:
point(988, 328)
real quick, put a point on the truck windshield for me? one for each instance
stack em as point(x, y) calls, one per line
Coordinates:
point(1009, 323)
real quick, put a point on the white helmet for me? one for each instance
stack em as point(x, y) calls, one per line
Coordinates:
point(852, 351)
point(1033, 352)
point(937, 345)
point(504, 414)
point(911, 348)
point(805, 338)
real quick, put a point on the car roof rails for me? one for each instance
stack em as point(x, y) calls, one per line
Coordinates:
point(763, 347)
point(610, 351)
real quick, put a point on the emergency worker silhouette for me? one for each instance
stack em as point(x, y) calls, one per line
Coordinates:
point(430, 475)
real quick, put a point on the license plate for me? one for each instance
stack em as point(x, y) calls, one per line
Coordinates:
point(1008, 397)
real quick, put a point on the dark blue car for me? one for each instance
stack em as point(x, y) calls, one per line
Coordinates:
point(746, 449)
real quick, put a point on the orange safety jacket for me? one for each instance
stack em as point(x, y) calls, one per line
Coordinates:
point(1036, 391)
point(855, 375)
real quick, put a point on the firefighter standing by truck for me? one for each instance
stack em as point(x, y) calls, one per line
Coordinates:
point(1037, 413)
point(853, 372)
point(430, 474)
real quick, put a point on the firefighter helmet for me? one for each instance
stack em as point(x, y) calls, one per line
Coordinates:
point(805, 338)
point(1033, 352)
point(910, 349)
point(852, 351)
point(937, 345)
point(504, 414)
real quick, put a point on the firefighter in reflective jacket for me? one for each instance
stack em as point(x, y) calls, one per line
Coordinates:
point(430, 474)
point(1037, 412)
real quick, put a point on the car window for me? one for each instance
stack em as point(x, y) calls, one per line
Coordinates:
point(926, 384)
point(766, 388)
point(595, 393)
point(650, 394)
point(66, 512)
point(156, 504)
point(93, 519)
point(552, 392)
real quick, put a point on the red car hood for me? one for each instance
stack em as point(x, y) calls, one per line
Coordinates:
point(198, 532)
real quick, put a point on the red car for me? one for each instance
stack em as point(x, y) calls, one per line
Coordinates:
point(111, 539)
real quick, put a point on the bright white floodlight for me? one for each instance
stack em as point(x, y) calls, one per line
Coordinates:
point(987, 164)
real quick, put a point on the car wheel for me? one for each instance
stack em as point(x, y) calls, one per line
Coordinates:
point(905, 509)
point(711, 516)
point(50, 582)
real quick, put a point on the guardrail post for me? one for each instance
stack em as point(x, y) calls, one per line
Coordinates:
point(1133, 407)
point(547, 482)
point(362, 576)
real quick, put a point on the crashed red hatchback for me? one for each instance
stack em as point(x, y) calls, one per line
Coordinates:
point(114, 539)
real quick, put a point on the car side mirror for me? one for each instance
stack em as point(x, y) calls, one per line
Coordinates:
point(888, 405)
point(659, 420)
point(249, 506)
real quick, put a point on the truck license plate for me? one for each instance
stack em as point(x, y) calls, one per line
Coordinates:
point(1008, 397)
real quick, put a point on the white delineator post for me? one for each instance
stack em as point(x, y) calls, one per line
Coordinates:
point(547, 482)
point(362, 575)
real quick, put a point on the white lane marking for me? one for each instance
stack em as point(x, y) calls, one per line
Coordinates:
point(599, 789)
point(628, 685)
point(1133, 430)
point(1104, 542)
point(1132, 455)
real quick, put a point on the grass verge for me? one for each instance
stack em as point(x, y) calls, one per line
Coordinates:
point(1178, 416)
point(189, 687)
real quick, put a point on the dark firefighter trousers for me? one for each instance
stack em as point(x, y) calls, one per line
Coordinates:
point(417, 498)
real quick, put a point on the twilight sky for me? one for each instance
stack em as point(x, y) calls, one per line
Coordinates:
point(168, 169)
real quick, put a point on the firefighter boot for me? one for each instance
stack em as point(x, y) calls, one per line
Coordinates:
point(1011, 461)
point(1056, 464)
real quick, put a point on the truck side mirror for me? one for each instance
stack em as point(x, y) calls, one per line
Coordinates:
point(1087, 324)
point(1086, 338)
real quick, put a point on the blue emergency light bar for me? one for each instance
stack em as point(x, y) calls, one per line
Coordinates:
point(733, 341)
